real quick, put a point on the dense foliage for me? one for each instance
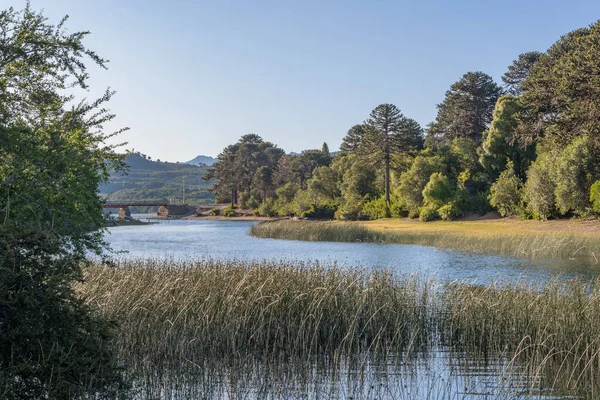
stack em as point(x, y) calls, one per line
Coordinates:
point(53, 157)
point(530, 148)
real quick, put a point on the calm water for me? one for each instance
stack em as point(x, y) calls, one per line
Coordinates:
point(230, 240)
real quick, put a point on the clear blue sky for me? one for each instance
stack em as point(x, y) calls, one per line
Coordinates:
point(193, 76)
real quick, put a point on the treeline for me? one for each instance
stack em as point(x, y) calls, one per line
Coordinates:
point(529, 147)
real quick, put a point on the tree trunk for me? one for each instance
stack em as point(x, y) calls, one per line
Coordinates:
point(387, 175)
point(232, 196)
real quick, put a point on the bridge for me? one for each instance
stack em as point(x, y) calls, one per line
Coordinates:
point(165, 209)
point(125, 204)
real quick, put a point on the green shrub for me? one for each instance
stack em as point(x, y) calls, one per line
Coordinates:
point(595, 196)
point(229, 212)
point(376, 209)
point(322, 211)
point(414, 212)
point(52, 345)
point(267, 208)
point(450, 211)
point(428, 214)
point(438, 191)
point(215, 211)
point(505, 193)
point(538, 191)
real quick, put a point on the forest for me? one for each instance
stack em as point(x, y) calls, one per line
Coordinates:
point(528, 147)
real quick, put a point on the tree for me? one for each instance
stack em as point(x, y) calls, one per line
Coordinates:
point(562, 92)
point(353, 139)
point(53, 156)
point(505, 193)
point(518, 72)
point(499, 146)
point(237, 166)
point(387, 134)
point(466, 110)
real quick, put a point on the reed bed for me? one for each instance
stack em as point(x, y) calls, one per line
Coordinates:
point(551, 245)
point(186, 321)
point(552, 329)
point(188, 312)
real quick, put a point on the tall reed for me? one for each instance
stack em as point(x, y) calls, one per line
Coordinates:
point(182, 313)
point(526, 245)
point(185, 319)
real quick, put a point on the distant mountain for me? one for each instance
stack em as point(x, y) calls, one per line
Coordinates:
point(206, 160)
point(154, 180)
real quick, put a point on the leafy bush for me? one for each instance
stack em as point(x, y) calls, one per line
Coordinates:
point(595, 196)
point(51, 344)
point(376, 209)
point(428, 214)
point(573, 168)
point(450, 211)
point(505, 193)
point(229, 212)
point(267, 208)
point(325, 210)
point(438, 191)
point(538, 191)
point(215, 211)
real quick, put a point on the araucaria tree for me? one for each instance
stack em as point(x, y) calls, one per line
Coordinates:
point(467, 109)
point(389, 134)
point(53, 156)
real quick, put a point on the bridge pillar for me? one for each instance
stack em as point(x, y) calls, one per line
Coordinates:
point(124, 212)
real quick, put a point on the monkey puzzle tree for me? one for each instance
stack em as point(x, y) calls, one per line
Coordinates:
point(388, 134)
point(466, 110)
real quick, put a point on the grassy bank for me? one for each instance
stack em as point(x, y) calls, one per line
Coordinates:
point(180, 320)
point(518, 238)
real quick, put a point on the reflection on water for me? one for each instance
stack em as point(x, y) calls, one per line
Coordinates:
point(437, 375)
point(230, 240)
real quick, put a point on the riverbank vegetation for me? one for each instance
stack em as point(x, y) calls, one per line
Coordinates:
point(507, 238)
point(176, 319)
point(53, 157)
point(529, 148)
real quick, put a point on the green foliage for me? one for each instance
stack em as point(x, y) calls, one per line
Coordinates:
point(466, 110)
point(518, 72)
point(215, 211)
point(229, 212)
point(595, 196)
point(505, 193)
point(52, 345)
point(267, 208)
point(376, 208)
point(438, 191)
point(572, 176)
point(388, 133)
point(450, 211)
point(538, 191)
point(498, 147)
point(53, 157)
point(428, 213)
point(412, 183)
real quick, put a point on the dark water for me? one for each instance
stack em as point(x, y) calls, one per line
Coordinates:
point(230, 240)
point(438, 375)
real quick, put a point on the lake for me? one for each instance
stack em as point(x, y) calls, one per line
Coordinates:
point(180, 239)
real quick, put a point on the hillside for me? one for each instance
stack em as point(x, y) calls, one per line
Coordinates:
point(149, 180)
point(201, 159)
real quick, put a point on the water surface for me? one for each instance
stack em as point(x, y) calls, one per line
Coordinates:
point(180, 239)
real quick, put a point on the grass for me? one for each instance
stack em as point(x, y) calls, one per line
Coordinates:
point(522, 240)
point(223, 324)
